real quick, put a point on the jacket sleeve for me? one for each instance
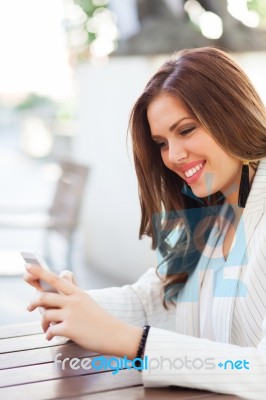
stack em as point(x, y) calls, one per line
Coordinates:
point(137, 304)
point(187, 361)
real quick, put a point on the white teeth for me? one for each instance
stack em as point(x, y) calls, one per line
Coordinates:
point(190, 172)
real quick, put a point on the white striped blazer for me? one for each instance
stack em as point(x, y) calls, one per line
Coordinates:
point(239, 320)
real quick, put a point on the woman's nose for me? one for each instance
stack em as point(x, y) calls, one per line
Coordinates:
point(176, 153)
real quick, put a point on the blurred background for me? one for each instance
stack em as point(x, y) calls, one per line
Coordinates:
point(70, 72)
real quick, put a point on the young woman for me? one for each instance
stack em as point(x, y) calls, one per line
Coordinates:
point(199, 143)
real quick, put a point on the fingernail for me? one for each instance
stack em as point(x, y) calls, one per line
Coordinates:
point(28, 267)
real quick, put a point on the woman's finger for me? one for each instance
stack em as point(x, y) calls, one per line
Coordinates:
point(45, 324)
point(47, 300)
point(32, 280)
point(55, 330)
point(53, 315)
point(48, 319)
point(59, 283)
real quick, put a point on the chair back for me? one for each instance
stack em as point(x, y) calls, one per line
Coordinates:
point(68, 197)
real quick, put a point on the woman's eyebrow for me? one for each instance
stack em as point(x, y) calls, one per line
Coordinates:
point(172, 127)
point(177, 123)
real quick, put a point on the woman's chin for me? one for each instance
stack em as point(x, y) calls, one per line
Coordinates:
point(201, 193)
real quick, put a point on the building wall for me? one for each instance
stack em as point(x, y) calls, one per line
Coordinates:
point(111, 212)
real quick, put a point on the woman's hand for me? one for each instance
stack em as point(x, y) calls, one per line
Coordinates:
point(80, 318)
point(33, 280)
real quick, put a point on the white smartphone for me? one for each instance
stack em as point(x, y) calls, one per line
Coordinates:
point(30, 258)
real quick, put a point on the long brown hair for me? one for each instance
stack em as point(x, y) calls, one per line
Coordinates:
point(222, 98)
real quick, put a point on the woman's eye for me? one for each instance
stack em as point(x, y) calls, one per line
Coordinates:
point(187, 131)
point(162, 145)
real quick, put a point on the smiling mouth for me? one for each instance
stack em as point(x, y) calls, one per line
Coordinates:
point(192, 171)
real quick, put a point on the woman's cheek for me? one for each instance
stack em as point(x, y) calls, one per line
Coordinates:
point(165, 159)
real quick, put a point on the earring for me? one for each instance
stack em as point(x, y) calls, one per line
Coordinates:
point(244, 185)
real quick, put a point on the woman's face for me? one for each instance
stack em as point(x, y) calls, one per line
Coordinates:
point(189, 151)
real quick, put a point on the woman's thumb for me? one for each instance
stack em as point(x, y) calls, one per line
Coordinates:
point(68, 275)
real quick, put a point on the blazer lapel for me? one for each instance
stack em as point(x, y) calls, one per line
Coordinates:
point(187, 311)
point(231, 283)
